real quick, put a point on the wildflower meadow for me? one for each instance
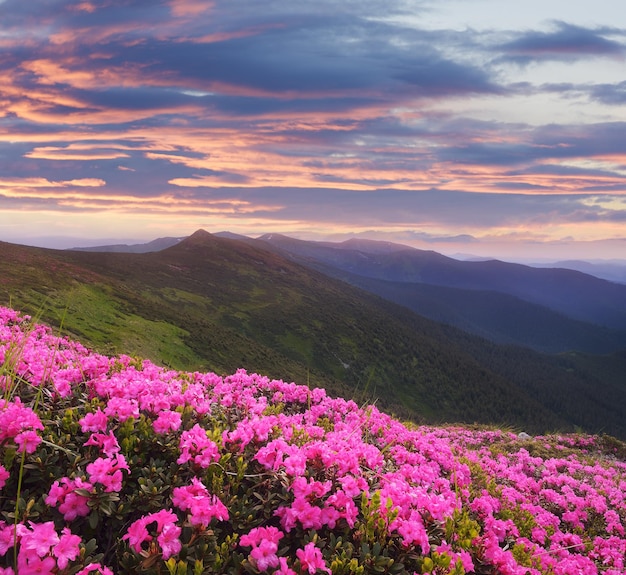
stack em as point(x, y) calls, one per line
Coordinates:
point(115, 465)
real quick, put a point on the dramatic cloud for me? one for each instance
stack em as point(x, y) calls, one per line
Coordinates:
point(567, 42)
point(408, 118)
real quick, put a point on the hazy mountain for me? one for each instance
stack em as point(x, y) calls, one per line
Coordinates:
point(574, 294)
point(221, 304)
point(611, 270)
point(499, 317)
point(153, 246)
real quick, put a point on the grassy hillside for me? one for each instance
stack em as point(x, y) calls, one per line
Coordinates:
point(217, 304)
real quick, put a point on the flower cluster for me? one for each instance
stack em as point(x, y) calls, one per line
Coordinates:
point(118, 465)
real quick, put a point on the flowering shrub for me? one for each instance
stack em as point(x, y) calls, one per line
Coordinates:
point(114, 465)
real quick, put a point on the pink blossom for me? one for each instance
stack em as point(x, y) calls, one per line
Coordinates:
point(7, 537)
point(203, 507)
point(137, 534)
point(4, 475)
point(311, 559)
point(169, 540)
point(27, 441)
point(74, 506)
point(413, 532)
point(264, 543)
point(96, 421)
point(34, 565)
point(67, 548)
point(264, 555)
point(71, 504)
point(197, 447)
point(283, 568)
point(167, 421)
point(95, 567)
point(41, 538)
point(107, 442)
point(167, 532)
point(122, 408)
point(108, 472)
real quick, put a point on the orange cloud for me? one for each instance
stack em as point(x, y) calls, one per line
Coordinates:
point(75, 152)
point(181, 8)
point(7, 184)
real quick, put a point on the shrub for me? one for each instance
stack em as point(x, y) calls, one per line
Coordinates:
point(115, 465)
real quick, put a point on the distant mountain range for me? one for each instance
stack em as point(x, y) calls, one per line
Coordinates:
point(223, 303)
point(153, 246)
point(551, 310)
point(612, 270)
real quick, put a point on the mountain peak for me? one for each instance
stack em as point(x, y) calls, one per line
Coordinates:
point(200, 234)
point(199, 237)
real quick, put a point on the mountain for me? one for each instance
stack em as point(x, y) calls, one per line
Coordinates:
point(496, 316)
point(550, 310)
point(153, 246)
point(219, 304)
point(612, 270)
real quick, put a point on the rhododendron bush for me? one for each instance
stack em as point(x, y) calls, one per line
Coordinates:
point(115, 465)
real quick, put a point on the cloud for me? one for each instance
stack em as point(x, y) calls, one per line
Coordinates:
point(567, 42)
point(337, 113)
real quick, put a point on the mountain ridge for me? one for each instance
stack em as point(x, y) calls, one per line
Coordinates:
point(574, 294)
point(500, 314)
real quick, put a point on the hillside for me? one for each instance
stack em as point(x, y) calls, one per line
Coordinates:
point(549, 310)
point(112, 465)
point(216, 303)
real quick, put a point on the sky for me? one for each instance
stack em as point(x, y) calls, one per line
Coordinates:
point(485, 127)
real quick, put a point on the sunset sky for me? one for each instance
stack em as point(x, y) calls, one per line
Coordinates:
point(487, 127)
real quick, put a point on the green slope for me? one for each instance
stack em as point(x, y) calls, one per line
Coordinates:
point(221, 304)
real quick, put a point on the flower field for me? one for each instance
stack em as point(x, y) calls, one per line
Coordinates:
point(115, 465)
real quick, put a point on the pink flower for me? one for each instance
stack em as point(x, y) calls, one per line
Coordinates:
point(96, 421)
point(167, 421)
point(258, 534)
point(169, 541)
point(41, 538)
point(264, 543)
point(197, 447)
point(7, 537)
point(27, 441)
point(95, 567)
point(108, 472)
point(284, 569)
point(71, 504)
point(107, 442)
point(202, 506)
point(122, 408)
point(67, 549)
point(33, 565)
point(74, 506)
point(137, 534)
point(264, 555)
point(311, 559)
point(4, 475)
point(166, 530)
